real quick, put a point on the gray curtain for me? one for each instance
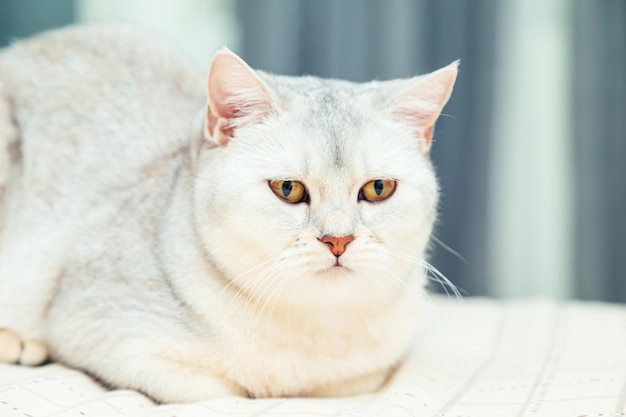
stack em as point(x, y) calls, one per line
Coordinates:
point(362, 40)
point(599, 114)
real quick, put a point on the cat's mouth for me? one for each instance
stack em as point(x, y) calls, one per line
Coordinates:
point(337, 267)
point(337, 263)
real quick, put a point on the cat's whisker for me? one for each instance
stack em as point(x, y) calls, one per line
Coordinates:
point(440, 278)
point(264, 289)
point(269, 289)
point(243, 274)
point(252, 288)
point(243, 290)
point(405, 285)
point(274, 297)
point(399, 284)
point(428, 268)
point(251, 291)
point(436, 276)
point(267, 260)
point(426, 295)
point(258, 294)
point(395, 279)
point(448, 249)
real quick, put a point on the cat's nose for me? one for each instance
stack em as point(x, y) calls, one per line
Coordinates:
point(336, 244)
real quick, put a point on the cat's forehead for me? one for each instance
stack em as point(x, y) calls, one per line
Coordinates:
point(334, 127)
point(330, 117)
point(330, 108)
point(322, 91)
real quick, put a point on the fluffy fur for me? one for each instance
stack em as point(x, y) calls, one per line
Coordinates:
point(140, 241)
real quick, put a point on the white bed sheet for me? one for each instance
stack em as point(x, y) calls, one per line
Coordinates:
point(477, 358)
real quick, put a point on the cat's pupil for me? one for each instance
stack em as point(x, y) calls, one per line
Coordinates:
point(378, 186)
point(286, 188)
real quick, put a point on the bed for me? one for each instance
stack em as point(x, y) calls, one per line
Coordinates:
point(472, 358)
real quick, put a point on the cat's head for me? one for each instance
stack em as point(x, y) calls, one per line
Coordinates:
point(313, 190)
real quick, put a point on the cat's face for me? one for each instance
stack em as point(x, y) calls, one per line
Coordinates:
point(325, 196)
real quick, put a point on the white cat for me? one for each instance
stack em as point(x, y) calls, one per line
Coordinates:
point(264, 236)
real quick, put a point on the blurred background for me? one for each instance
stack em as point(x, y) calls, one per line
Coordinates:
point(531, 152)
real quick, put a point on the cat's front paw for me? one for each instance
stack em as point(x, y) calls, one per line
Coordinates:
point(24, 352)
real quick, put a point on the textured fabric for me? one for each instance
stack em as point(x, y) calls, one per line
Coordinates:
point(477, 358)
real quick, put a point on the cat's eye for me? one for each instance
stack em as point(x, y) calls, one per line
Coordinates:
point(289, 191)
point(377, 190)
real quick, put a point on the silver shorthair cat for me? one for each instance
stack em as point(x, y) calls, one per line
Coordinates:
point(247, 234)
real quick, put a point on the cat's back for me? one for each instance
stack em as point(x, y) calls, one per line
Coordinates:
point(91, 55)
point(93, 95)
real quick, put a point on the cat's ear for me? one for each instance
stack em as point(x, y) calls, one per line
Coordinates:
point(421, 103)
point(236, 96)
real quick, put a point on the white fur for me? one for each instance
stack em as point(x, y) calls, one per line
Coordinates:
point(159, 259)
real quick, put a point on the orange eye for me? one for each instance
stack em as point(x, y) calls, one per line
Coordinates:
point(377, 190)
point(290, 191)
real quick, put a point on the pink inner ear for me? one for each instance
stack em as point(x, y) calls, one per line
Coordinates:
point(422, 103)
point(236, 95)
point(220, 107)
point(218, 128)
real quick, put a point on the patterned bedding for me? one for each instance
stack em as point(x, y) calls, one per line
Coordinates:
point(472, 358)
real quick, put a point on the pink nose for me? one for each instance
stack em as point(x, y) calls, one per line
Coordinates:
point(337, 245)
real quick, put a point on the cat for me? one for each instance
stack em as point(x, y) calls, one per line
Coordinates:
point(195, 237)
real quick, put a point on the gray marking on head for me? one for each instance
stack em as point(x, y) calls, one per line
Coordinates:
point(329, 113)
point(332, 106)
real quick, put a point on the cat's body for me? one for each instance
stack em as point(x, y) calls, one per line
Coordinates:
point(155, 255)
